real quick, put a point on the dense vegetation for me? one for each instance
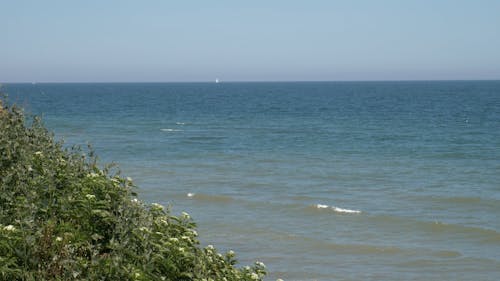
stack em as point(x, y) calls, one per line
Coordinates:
point(62, 217)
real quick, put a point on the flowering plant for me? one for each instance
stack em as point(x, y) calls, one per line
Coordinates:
point(62, 217)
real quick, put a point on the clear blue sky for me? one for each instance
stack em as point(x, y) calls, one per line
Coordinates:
point(107, 40)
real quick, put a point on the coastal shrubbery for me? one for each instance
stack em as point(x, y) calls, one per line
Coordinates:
point(62, 217)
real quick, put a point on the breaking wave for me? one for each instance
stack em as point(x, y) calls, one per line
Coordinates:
point(170, 130)
point(337, 209)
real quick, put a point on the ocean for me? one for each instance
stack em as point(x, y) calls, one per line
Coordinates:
point(318, 180)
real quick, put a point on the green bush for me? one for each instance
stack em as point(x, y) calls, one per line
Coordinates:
point(64, 218)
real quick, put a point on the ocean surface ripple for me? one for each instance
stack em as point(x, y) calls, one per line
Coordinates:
point(320, 181)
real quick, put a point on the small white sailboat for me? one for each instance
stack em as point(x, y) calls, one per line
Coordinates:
point(216, 80)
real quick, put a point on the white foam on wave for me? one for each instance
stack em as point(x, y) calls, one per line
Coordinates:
point(180, 123)
point(321, 206)
point(190, 194)
point(345, 211)
point(337, 209)
point(170, 130)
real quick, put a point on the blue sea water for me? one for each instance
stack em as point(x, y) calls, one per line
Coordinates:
point(319, 180)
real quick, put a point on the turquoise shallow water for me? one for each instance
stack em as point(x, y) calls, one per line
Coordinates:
point(320, 181)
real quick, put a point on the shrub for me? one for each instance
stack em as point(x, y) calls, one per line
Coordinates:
point(64, 218)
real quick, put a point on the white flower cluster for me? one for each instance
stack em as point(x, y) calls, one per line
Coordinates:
point(9, 227)
point(254, 276)
point(261, 264)
point(186, 215)
point(38, 153)
point(90, 196)
point(156, 206)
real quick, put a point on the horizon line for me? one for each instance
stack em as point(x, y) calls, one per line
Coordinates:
point(246, 81)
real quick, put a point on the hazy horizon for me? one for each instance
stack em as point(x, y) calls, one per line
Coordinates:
point(157, 41)
point(245, 81)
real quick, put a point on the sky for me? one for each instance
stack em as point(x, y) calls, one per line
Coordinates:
point(315, 40)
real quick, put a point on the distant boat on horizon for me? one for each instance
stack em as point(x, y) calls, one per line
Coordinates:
point(216, 80)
